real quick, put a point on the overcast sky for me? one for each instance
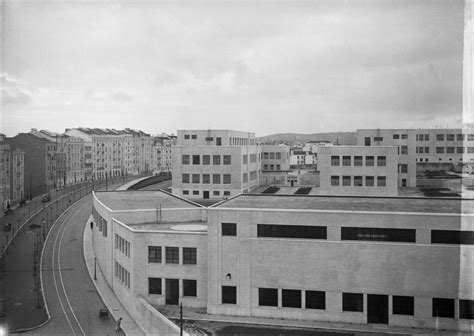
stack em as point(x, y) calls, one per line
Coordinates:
point(261, 66)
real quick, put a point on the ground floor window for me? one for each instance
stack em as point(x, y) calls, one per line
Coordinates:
point(268, 297)
point(466, 309)
point(315, 300)
point(229, 294)
point(353, 302)
point(443, 307)
point(291, 298)
point(189, 288)
point(154, 286)
point(403, 305)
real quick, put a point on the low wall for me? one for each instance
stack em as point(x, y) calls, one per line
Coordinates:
point(154, 322)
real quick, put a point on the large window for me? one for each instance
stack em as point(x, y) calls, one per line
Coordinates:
point(185, 178)
point(334, 181)
point(440, 137)
point(443, 307)
point(196, 160)
point(229, 294)
point(226, 179)
point(229, 229)
point(189, 256)
point(278, 155)
point(358, 181)
point(466, 309)
point(381, 181)
point(189, 288)
point(404, 150)
point(369, 161)
point(291, 298)
point(449, 150)
point(346, 181)
point(154, 254)
point(172, 255)
point(452, 237)
point(315, 300)
point(358, 161)
point(195, 178)
point(244, 159)
point(206, 178)
point(216, 159)
point(403, 305)
point(439, 150)
point(185, 159)
point(353, 302)
point(450, 137)
point(227, 159)
point(369, 181)
point(216, 178)
point(206, 159)
point(268, 297)
point(381, 161)
point(154, 286)
point(378, 234)
point(292, 231)
point(346, 160)
point(334, 160)
point(403, 168)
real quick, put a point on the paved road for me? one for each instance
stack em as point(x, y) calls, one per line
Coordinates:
point(71, 297)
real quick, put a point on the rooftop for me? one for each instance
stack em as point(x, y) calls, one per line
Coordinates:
point(142, 199)
point(354, 203)
point(190, 226)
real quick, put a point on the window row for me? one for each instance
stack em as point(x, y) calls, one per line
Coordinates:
point(446, 137)
point(172, 255)
point(206, 178)
point(357, 181)
point(155, 286)
point(101, 223)
point(452, 150)
point(206, 159)
point(271, 155)
point(122, 245)
point(122, 274)
point(271, 167)
point(347, 160)
point(402, 136)
point(214, 192)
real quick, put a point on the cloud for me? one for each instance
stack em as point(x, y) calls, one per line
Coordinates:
point(16, 96)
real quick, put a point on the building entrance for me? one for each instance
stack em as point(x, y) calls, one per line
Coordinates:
point(377, 308)
point(205, 194)
point(172, 291)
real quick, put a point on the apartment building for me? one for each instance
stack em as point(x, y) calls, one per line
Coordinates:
point(4, 172)
point(300, 158)
point(162, 153)
point(275, 158)
point(358, 170)
point(17, 176)
point(215, 163)
point(420, 150)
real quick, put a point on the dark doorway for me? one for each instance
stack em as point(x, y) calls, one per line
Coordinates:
point(404, 182)
point(205, 194)
point(377, 308)
point(292, 183)
point(367, 141)
point(172, 291)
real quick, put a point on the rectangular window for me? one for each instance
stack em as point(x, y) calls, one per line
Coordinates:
point(346, 160)
point(315, 300)
point(229, 229)
point(196, 178)
point(466, 309)
point(229, 294)
point(470, 137)
point(172, 255)
point(154, 286)
point(185, 192)
point(186, 136)
point(404, 136)
point(352, 302)
point(216, 159)
point(193, 136)
point(216, 193)
point(227, 159)
point(443, 307)
point(439, 150)
point(268, 297)
point(334, 160)
point(189, 256)
point(244, 159)
point(381, 161)
point(209, 138)
point(206, 178)
point(216, 178)
point(185, 159)
point(334, 181)
point(196, 159)
point(449, 150)
point(272, 155)
point(244, 178)
point(253, 175)
point(185, 178)
point(195, 192)
point(358, 181)
point(292, 231)
point(369, 181)
point(403, 305)
point(154, 254)
point(369, 161)
point(378, 138)
point(278, 156)
point(381, 181)
point(226, 193)
point(452, 237)
point(459, 137)
point(378, 234)
point(397, 136)
point(404, 150)
point(189, 288)
point(470, 150)
point(427, 150)
point(218, 141)
point(206, 159)
point(449, 137)
point(439, 137)
point(427, 137)
point(253, 158)
point(346, 181)
point(403, 168)
point(291, 298)
point(358, 161)
point(460, 150)
point(226, 179)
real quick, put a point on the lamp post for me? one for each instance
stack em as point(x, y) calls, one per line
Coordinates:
point(95, 268)
point(180, 319)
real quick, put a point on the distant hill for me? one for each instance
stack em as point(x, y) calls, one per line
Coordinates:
point(343, 138)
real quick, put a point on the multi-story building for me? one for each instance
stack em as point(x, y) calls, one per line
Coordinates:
point(4, 172)
point(420, 150)
point(301, 159)
point(162, 153)
point(369, 260)
point(358, 171)
point(215, 163)
point(275, 157)
point(17, 176)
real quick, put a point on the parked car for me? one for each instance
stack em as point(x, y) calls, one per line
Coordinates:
point(46, 198)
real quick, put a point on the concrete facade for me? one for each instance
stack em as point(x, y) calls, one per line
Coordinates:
point(17, 176)
point(275, 158)
point(215, 164)
point(358, 171)
point(4, 172)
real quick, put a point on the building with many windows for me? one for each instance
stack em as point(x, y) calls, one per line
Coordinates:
point(4, 172)
point(215, 163)
point(17, 176)
point(275, 158)
point(385, 260)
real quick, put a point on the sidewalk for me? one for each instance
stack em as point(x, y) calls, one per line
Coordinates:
point(116, 309)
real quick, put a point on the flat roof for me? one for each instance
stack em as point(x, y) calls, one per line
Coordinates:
point(351, 203)
point(142, 199)
point(177, 227)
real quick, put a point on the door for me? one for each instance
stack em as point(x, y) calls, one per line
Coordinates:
point(172, 291)
point(205, 194)
point(404, 182)
point(377, 308)
point(367, 141)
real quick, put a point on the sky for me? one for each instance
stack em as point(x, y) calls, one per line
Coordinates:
point(260, 66)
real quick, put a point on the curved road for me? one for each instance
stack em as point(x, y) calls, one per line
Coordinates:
point(71, 296)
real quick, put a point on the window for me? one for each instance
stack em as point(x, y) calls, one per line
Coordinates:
point(227, 159)
point(460, 150)
point(369, 181)
point(253, 158)
point(185, 192)
point(358, 181)
point(358, 161)
point(253, 175)
point(272, 155)
point(459, 137)
point(346, 160)
point(427, 150)
point(229, 229)
point(449, 150)
point(439, 150)
point(449, 137)
point(216, 178)
point(404, 136)
point(206, 178)
point(186, 136)
point(466, 309)
point(378, 234)
point(291, 298)
point(381, 161)
point(189, 288)
point(397, 136)
point(291, 231)
point(403, 168)
point(352, 302)
point(218, 141)
point(470, 137)
point(278, 156)
point(193, 136)
point(403, 305)
point(226, 193)
point(427, 137)
point(216, 193)
point(439, 137)
point(369, 160)
point(244, 159)
point(196, 160)
point(346, 180)
point(189, 256)
point(195, 192)
point(154, 254)
point(470, 150)
point(206, 159)
point(229, 294)
point(443, 307)
point(268, 297)
point(185, 159)
point(334, 181)
point(334, 160)
point(315, 300)
point(172, 255)
point(381, 181)
point(419, 150)
point(452, 237)
point(378, 138)
point(404, 150)
point(216, 159)
point(226, 179)
point(154, 286)
point(209, 138)
point(196, 178)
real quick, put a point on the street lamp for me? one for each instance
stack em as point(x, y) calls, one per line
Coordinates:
point(95, 268)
